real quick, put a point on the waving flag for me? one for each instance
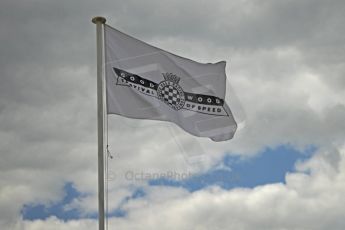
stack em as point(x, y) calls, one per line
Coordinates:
point(146, 82)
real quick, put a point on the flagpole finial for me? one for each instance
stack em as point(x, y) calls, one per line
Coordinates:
point(99, 19)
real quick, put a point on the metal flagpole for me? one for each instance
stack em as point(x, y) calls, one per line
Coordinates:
point(100, 21)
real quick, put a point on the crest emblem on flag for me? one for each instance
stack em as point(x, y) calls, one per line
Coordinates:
point(170, 92)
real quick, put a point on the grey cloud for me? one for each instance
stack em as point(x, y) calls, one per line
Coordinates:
point(48, 85)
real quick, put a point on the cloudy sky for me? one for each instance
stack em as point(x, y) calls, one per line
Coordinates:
point(284, 169)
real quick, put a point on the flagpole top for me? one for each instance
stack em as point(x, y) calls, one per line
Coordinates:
point(99, 19)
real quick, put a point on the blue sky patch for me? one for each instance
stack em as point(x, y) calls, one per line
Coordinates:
point(119, 211)
point(41, 211)
point(268, 167)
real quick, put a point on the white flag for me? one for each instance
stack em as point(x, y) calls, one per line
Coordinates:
point(146, 82)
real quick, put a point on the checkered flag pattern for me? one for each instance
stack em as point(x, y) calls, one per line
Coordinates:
point(171, 95)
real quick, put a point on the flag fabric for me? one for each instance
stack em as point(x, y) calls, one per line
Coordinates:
point(145, 82)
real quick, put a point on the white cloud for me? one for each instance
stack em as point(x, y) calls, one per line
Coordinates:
point(53, 223)
point(307, 201)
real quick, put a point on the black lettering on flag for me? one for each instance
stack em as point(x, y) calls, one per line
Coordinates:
point(204, 99)
point(129, 77)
